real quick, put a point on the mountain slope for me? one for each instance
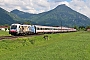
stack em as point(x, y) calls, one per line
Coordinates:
point(8, 18)
point(22, 14)
point(4, 17)
point(61, 15)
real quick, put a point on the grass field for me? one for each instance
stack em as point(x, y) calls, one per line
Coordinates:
point(63, 46)
point(4, 33)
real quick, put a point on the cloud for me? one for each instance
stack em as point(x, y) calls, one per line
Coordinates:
point(81, 6)
point(31, 6)
point(56, 0)
point(38, 6)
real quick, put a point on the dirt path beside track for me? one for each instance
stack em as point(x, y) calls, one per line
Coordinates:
point(13, 37)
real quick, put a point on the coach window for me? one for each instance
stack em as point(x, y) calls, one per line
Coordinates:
point(41, 28)
point(45, 28)
point(37, 28)
point(48, 28)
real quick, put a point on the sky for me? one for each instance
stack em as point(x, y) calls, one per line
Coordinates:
point(39, 6)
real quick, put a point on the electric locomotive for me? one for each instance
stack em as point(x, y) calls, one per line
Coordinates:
point(18, 29)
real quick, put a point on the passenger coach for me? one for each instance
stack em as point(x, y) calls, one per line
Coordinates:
point(19, 29)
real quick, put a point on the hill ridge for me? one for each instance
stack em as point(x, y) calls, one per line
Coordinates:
point(61, 15)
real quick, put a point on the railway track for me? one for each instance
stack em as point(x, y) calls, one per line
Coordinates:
point(8, 37)
point(13, 37)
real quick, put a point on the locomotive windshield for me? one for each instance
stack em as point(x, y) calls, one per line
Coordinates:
point(13, 26)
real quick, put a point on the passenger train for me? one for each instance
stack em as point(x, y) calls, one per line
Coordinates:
point(22, 29)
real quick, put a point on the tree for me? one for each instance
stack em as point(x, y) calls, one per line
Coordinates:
point(76, 27)
point(82, 28)
point(87, 27)
point(7, 26)
point(28, 23)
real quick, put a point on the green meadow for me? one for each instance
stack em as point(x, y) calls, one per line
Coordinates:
point(4, 33)
point(62, 46)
